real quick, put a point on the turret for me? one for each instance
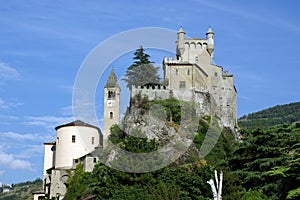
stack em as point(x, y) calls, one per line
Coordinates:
point(180, 42)
point(210, 41)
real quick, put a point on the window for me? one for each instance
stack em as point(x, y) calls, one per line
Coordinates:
point(182, 84)
point(196, 59)
point(176, 72)
point(57, 140)
point(93, 140)
point(111, 94)
point(73, 138)
point(216, 74)
point(111, 115)
point(188, 72)
point(95, 160)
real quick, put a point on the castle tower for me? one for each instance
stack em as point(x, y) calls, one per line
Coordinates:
point(210, 41)
point(111, 105)
point(180, 42)
point(74, 140)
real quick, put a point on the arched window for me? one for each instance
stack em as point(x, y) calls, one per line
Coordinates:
point(111, 115)
point(111, 94)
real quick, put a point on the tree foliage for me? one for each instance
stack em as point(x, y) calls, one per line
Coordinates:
point(142, 71)
point(264, 165)
point(277, 115)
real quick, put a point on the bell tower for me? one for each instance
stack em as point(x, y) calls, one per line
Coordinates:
point(111, 113)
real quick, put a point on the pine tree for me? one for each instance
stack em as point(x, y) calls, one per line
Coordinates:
point(142, 71)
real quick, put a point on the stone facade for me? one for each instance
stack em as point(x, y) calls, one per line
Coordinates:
point(111, 113)
point(191, 76)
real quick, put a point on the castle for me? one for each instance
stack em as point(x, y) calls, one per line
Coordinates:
point(190, 76)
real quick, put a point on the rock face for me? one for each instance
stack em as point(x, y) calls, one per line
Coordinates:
point(151, 120)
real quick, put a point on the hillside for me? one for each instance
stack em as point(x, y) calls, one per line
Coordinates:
point(280, 114)
point(20, 191)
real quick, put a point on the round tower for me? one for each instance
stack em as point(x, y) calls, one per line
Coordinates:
point(74, 140)
point(210, 41)
point(180, 42)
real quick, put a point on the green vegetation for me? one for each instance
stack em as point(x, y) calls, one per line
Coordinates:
point(142, 71)
point(20, 191)
point(265, 165)
point(281, 114)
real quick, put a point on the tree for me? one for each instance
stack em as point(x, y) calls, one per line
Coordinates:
point(142, 71)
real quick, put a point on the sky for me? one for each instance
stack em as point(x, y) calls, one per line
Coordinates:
point(43, 43)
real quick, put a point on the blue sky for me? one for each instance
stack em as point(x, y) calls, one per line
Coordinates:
point(43, 43)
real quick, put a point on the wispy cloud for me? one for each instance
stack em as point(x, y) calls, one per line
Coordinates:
point(48, 122)
point(8, 73)
point(9, 160)
point(5, 104)
point(264, 17)
point(22, 137)
point(31, 151)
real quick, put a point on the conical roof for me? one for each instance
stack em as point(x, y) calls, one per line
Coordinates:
point(181, 30)
point(77, 123)
point(209, 30)
point(112, 81)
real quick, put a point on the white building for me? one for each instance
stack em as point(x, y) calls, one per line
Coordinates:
point(74, 141)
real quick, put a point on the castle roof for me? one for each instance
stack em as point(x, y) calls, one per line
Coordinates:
point(209, 30)
point(181, 30)
point(78, 123)
point(112, 81)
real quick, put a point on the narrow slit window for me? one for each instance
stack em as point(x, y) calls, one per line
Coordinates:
point(93, 140)
point(188, 72)
point(73, 138)
point(111, 115)
point(176, 71)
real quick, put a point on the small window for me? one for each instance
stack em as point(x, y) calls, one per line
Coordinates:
point(76, 160)
point(196, 58)
point(182, 84)
point(73, 138)
point(188, 72)
point(111, 115)
point(176, 72)
point(93, 140)
point(95, 160)
point(111, 94)
point(57, 140)
point(216, 74)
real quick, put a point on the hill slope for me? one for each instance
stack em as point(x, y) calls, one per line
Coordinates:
point(20, 191)
point(280, 114)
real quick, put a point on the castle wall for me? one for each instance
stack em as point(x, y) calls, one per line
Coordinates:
point(58, 180)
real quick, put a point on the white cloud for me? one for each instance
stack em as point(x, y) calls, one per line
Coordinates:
point(29, 136)
point(8, 73)
point(10, 161)
point(48, 122)
point(31, 151)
